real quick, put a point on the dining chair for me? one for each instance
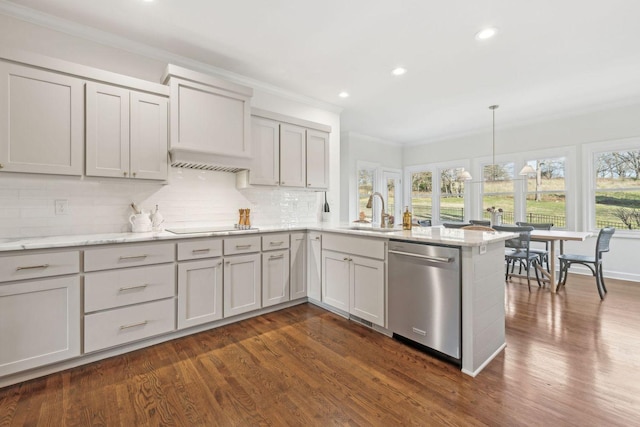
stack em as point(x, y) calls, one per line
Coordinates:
point(478, 227)
point(484, 222)
point(455, 224)
point(542, 253)
point(424, 222)
point(517, 251)
point(594, 263)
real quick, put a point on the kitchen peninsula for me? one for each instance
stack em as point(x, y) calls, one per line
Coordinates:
point(97, 296)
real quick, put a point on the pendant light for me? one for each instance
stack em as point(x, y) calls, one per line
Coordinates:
point(527, 170)
point(493, 140)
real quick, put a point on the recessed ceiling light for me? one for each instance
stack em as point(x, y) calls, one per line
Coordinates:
point(398, 71)
point(343, 94)
point(487, 33)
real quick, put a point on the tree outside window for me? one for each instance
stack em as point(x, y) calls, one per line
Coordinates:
point(546, 192)
point(451, 195)
point(421, 194)
point(498, 190)
point(617, 189)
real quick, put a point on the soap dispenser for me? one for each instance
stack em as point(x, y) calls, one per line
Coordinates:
point(406, 219)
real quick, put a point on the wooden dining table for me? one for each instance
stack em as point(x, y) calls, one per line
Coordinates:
point(553, 236)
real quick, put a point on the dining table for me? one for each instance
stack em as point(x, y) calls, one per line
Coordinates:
point(553, 236)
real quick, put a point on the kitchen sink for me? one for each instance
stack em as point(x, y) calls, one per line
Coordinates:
point(373, 229)
point(206, 229)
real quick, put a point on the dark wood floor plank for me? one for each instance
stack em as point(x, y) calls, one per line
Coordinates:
point(571, 359)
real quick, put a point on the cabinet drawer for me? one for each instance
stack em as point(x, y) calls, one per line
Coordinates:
point(272, 242)
point(128, 256)
point(241, 245)
point(372, 248)
point(31, 266)
point(205, 248)
point(116, 288)
point(123, 325)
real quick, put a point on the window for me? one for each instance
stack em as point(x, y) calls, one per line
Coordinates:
point(546, 198)
point(617, 189)
point(498, 190)
point(366, 178)
point(421, 194)
point(451, 195)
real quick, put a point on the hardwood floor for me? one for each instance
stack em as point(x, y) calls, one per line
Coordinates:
point(570, 360)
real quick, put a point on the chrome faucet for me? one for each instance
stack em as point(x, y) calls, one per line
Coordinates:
point(383, 216)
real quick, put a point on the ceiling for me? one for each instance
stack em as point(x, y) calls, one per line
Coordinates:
point(549, 58)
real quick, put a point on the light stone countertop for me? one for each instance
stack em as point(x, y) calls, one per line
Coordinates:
point(436, 235)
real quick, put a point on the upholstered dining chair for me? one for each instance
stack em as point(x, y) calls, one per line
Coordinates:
point(484, 222)
point(517, 251)
point(594, 263)
point(542, 253)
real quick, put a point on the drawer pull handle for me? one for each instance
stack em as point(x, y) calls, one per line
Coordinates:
point(243, 246)
point(276, 243)
point(122, 258)
point(32, 267)
point(317, 237)
point(130, 288)
point(201, 251)
point(276, 256)
point(133, 325)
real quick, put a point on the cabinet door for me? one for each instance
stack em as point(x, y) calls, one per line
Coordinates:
point(335, 279)
point(241, 284)
point(292, 156)
point(298, 265)
point(275, 277)
point(265, 136)
point(199, 292)
point(149, 136)
point(314, 266)
point(41, 121)
point(317, 159)
point(107, 121)
point(209, 119)
point(39, 323)
point(367, 290)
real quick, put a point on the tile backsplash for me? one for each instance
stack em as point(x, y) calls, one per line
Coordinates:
point(100, 205)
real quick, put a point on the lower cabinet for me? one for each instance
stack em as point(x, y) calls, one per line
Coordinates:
point(39, 323)
point(336, 274)
point(199, 292)
point(275, 277)
point(367, 289)
point(314, 266)
point(241, 284)
point(298, 277)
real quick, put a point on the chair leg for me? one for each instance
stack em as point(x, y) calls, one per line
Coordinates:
point(506, 273)
point(564, 272)
point(535, 269)
point(528, 276)
point(604, 288)
point(599, 281)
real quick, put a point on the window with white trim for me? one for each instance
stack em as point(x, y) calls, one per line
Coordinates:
point(546, 194)
point(498, 191)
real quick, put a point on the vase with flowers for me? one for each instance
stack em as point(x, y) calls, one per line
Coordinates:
point(496, 215)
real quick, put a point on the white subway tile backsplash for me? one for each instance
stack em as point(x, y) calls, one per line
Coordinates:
point(102, 205)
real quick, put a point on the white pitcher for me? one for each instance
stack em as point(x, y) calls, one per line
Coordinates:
point(140, 223)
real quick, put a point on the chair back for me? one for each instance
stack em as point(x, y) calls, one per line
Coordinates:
point(521, 241)
point(484, 222)
point(424, 222)
point(602, 244)
point(455, 224)
point(478, 227)
point(536, 225)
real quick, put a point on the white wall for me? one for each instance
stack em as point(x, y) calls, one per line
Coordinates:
point(608, 124)
point(357, 147)
point(96, 206)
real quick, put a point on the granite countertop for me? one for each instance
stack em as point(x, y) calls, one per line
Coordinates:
point(438, 235)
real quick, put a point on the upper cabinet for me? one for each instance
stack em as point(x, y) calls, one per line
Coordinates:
point(41, 121)
point(127, 133)
point(209, 116)
point(289, 152)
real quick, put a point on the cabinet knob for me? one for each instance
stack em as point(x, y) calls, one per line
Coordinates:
point(277, 182)
point(1, 165)
point(124, 173)
point(308, 185)
point(134, 174)
point(282, 182)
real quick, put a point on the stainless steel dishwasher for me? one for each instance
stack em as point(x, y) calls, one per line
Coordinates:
point(425, 296)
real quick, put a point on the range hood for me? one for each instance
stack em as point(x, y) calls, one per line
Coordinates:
point(200, 160)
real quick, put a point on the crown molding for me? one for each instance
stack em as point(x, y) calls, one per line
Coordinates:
point(112, 40)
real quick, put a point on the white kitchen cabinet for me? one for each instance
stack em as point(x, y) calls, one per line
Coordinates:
point(314, 266)
point(317, 159)
point(336, 276)
point(39, 323)
point(208, 115)
point(127, 133)
point(293, 155)
point(242, 284)
point(367, 297)
point(199, 292)
point(275, 277)
point(298, 275)
point(265, 135)
point(41, 121)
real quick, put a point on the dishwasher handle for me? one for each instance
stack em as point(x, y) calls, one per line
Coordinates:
point(426, 257)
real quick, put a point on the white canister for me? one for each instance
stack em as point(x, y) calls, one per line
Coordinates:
point(140, 223)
